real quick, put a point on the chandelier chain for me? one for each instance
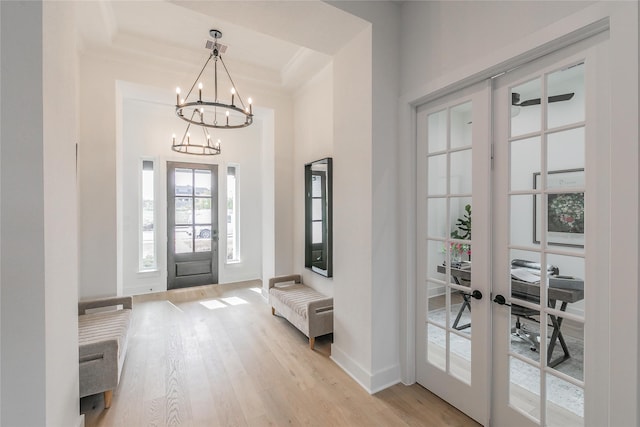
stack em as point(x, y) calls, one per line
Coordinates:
point(232, 82)
point(198, 78)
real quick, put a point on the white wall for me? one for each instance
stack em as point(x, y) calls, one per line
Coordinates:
point(146, 133)
point(442, 36)
point(23, 268)
point(313, 140)
point(366, 87)
point(101, 273)
point(39, 264)
point(60, 108)
point(352, 201)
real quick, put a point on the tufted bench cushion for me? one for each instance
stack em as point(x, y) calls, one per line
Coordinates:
point(104, 326)
point(102, 341)
point(296, 297)
point(304, 307)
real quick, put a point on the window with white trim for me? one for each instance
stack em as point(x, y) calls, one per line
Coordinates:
point(147, 247)
point(233, 215)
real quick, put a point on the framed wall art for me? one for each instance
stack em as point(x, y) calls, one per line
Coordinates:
point(565, 208)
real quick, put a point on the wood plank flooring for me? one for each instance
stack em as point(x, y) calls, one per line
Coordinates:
point(215, 356)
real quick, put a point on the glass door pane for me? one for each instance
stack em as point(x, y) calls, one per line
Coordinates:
point(546, 234)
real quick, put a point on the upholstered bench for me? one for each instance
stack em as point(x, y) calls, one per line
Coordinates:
point(102, 340)
point(304, 307)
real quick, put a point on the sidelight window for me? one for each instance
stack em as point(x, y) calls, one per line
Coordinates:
point(147, 259)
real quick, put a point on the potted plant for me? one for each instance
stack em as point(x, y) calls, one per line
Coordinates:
point(462, 232)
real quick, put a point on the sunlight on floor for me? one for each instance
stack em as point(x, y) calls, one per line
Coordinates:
point(234, 301)
point(212, 304)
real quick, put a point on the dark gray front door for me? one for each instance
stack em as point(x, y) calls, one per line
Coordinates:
point(192, 224)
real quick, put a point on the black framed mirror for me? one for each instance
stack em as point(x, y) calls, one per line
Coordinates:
point(318, 217)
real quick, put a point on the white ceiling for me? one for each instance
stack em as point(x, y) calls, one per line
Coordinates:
point(282, 42)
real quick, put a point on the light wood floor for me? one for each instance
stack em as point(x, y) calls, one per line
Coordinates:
point(215, 356)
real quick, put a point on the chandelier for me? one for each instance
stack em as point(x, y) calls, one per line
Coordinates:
point(203, 148)
point(213, 113)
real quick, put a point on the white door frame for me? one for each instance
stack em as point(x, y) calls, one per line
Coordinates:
point(619, 409)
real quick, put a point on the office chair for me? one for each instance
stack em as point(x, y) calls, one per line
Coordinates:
point(520, 329)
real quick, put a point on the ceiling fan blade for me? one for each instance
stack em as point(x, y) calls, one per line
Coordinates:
point(535, 101)
point(563, 97)
point(554, 98)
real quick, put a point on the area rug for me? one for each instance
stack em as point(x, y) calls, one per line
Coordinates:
point(559, 392)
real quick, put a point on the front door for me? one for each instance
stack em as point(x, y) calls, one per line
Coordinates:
point(453, 168)
point(192, 224)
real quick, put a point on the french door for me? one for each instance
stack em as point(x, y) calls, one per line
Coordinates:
point(506, 302)
point(454, 160)
point(192, 224)
point(550, 122)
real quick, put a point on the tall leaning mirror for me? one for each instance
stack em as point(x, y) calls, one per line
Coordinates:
point(318, 216)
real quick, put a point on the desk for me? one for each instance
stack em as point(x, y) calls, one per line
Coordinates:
point(528, 292)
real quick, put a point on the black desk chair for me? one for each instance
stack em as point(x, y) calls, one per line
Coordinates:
point(520, 329)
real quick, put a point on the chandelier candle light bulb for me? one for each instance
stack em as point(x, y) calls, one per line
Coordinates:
point(177, 96)
point(200, 91)
point(233, 94)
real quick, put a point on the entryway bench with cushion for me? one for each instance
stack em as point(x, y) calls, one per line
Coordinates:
point(304, 307)
point(102, 340)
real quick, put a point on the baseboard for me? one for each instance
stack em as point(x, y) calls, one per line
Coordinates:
point(351, 367)
point(144, 289)
point(385, 378)
point(372, 383)
point(81, 420)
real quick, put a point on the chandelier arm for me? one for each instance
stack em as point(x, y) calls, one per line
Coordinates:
point(206, 134)
point(232, 83)
point(198, 78)
point(186, 131)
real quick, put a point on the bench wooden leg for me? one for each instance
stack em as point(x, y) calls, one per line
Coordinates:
point(312, 342)
point(273, 311)
point(107, 398)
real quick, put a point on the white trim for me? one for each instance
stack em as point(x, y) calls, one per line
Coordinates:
point(372, 383)
point(580, 26)
point(236, 212)
point(407, 126)
point(623, 258)
point(351, 367)
point(385, 378)
point(140, 219)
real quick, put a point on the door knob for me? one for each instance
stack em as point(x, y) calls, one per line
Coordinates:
point(501, 300)
point(476, 294)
